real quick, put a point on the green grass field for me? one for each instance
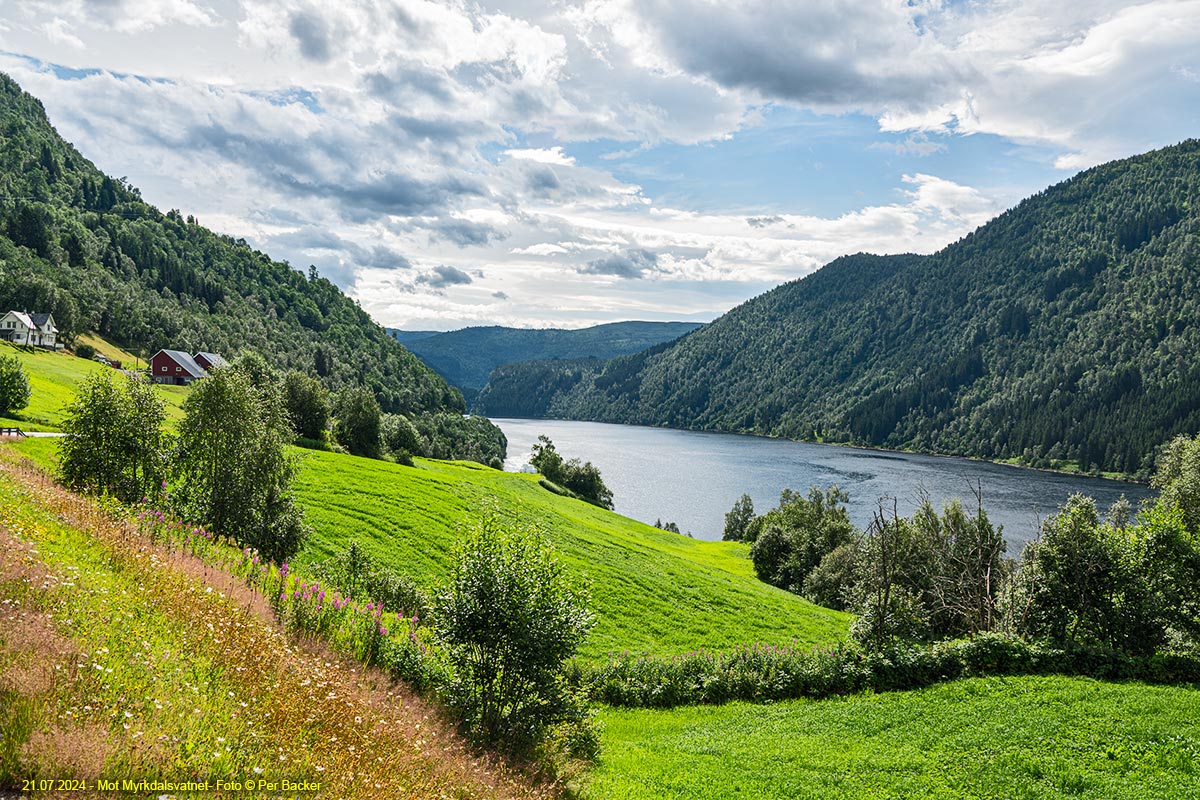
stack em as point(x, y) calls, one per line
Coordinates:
point(53, 376)
point(981, 738)
point(653, 591)
point(122, 660)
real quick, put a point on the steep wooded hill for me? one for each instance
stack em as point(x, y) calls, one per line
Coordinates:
point(85, 247)
point(1064, 330)
point(466, 357)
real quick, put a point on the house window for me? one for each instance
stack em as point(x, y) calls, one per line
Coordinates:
point(164, 369)
point(179, 369)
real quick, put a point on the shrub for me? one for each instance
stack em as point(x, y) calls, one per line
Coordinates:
point(360, 576)
point(793, 538)
point(765, 673)
point(400, 435)
point(14, 386)
point(85, 351)
point(830, 581)
point(510, 620)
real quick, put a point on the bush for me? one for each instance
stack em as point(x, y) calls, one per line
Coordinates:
point(360, 576)
point(510, 621)
point(14, 386)
point(793, 538)
point(400, 435)
point(85, 351)
point(765, 673)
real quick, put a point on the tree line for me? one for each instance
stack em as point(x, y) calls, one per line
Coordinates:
point(1111, 580)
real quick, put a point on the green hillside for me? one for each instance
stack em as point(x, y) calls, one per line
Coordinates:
point(980, 738)
point(467, 357)
point(1062, 332)
point(85, 247)
point(654, 591)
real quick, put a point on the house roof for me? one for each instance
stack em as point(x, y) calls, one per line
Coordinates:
point(184, 360)
point(41, 319)
point(214, 359)
point(23, 318)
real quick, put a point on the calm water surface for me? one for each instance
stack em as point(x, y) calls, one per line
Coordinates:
point(693, 478)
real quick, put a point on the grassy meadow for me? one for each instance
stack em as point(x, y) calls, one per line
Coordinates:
point(123, 660)
point(653, 591)
point(1029, 737)
point(53, 376)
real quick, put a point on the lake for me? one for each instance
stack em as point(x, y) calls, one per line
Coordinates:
point(693, 478)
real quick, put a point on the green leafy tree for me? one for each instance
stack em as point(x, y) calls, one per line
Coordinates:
point(308, 406)
point(358, 421)
point(511, 619)
point(545, 459)
point(1072, 577)
point(886, 593)
point(233, 469)
point(798, 534)
point(1178, 478)
point(14, 386)
point(400, 436)
point(830, 582)
point(966, 568)
point(583, 479)
point(738, 519)
point(115, 442)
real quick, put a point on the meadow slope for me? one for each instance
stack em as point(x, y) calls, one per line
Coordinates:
point(121, 659)
point(653, 591)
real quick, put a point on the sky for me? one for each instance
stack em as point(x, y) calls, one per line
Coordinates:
point(562, 164)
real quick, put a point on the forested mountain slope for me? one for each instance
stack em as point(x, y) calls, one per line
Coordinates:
point(466, 357)
point(1066, 329)
point(84, 246)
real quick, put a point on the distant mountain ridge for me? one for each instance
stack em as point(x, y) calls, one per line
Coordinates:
point(1065, 331)
point(466, 357)
point(79, 244)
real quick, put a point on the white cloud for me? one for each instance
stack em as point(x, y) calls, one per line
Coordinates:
point(385, 140)
point(542, 155)
point(57, 30)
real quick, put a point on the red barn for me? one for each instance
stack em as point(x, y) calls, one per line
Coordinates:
point(174, 367)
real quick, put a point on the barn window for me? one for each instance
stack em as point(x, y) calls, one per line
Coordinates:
point(164, 369)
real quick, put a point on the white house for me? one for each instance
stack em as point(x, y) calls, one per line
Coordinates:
point(36, 330)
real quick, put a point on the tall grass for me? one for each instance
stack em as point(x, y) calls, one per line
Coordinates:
point(142, 659)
